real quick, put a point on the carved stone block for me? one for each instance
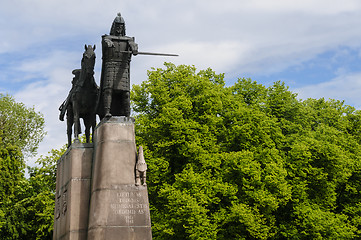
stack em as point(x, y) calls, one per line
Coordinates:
point(73, 192)
point(97, 196)
point(118, 207)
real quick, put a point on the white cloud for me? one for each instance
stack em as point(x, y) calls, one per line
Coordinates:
point(345, 87)
point(46, 97)
point(233, 37)
point(307, 6)
point(220, 56)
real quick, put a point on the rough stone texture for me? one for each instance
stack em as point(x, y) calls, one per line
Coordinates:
point(72, 193)
point(118, 208)
point(96, 195)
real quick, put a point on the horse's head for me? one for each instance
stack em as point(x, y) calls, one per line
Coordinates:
point(88, 60)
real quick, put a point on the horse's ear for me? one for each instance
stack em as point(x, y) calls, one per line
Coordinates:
point(86, 48)
point(94, 47)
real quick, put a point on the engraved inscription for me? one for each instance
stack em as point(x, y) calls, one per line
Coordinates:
point(61, 205)
point(128, 205)
point(57, 205)
point(65, 205)
point(129, 219)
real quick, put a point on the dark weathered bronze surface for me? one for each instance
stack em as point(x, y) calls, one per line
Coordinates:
point(117, 51)
point(153, 54)
point(82, 98)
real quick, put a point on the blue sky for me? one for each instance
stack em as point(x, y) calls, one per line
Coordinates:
point(314, 46)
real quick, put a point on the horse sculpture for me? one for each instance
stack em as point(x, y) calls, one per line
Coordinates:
point(82, 98)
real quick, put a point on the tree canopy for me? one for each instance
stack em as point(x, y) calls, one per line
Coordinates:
point(20, 126)
point(246, 161)
point(243, 161)
point(11, 176)
point(26, 203)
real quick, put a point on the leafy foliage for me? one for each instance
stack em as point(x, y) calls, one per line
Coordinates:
point(246, 161)
point(20, 126)
point(11, 174)
point(39, 200)
point(224, 162)
point(26, 204)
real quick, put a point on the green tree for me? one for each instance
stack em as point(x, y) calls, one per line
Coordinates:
point(246, 161)
point(20, 126)
point(38, 197)
point(11, 175)
point(26, 204)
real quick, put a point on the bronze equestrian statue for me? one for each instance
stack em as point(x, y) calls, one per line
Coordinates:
point(85, 99)
point(82, 98)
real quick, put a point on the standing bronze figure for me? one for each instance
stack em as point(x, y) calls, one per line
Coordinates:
point(117, 49)
point(82, 98)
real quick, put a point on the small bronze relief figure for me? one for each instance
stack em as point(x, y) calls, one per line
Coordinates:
point(141, 169)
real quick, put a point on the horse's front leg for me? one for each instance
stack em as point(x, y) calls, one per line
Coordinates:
point(89, 122)
point(69, 121)
point(76, 119)
point(87, 128)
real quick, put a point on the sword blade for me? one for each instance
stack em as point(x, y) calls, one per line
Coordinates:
point(153, 54)
point(158, 54)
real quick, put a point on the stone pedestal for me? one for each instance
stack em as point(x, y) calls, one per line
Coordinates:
point(118, 208)
point(72, 193)
point(97, 198)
